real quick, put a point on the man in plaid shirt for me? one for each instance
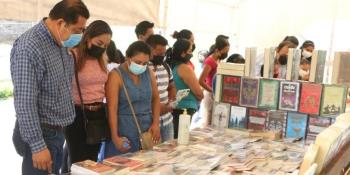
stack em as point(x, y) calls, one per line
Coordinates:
point(42, 72)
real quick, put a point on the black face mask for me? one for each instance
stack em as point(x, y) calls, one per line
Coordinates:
point(223, 56)
point(193, 47)
point(187, 58)
point(283, 59)
point(96, 51)
point(157, 60)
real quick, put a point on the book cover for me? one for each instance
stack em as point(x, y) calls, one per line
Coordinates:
point(91, 167)
point(268, 93)
point(316, 125)
point(341, 69)
point(289, 96)
point(238, 117)
point(276, 121)
point(123, 161)
point(249, 92)
point(310, 98)
point(231, 86)
point(296, 125)
point(257, 119)
point(333, 99)
point(221, 114)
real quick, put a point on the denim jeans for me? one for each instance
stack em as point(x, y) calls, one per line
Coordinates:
point(54, 140)
point(166, 130)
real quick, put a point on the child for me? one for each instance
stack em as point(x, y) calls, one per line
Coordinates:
point(304, 71)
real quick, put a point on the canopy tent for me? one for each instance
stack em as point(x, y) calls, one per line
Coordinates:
point(115, 12)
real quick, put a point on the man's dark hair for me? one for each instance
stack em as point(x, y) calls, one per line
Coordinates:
point(155, 40)
point(142, 27)
point(307, 43)
point(138, 47)
point(221, 37)
point(69, 11)
point(221, 43)
point(292, 39)
point(236, 58)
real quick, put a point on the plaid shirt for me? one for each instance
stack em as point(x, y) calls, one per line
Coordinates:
point(42, 75)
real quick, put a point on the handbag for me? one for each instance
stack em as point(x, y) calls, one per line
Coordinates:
point(96, 130)
point(146, 137)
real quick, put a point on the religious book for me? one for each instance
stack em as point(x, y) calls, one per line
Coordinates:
point(289, 96)
point(89, 167)
point(238, 117)
point(124, 161)
point(221, 114)
point(296, 125)
point(249, 92)
point(293, 64)
point(268, 93)
point(333, 99)
point(276, 121)
point(231, 86)
point(257, 119)
point(318, 64)
point(269, 58)
point(316, 125)
point(341, 69)
point(310, 98)
point(250, 61)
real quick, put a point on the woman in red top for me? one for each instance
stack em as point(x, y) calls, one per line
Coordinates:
point(221, 48)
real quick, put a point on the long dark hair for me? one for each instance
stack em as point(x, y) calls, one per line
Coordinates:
point(183, 34)
point(96, 28)
point(179, 47)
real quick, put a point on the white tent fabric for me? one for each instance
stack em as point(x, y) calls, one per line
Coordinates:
point(115, 12)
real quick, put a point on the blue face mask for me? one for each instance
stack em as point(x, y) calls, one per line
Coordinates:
point(73, 40)
point(136, 68)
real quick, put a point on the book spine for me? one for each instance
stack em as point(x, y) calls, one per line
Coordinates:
point(247, 62)
point(336, 65)
point(218, 87)
point(267, 59)
point(313, 68)
point(321, 63)
point(252, 54)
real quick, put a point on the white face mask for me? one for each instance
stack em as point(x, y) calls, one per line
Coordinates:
point(306, 54)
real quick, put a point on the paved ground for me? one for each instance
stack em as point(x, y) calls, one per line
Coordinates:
point(10, 162)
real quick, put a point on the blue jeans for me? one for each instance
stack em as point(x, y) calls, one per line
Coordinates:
point(54, 140)
point(166, 130)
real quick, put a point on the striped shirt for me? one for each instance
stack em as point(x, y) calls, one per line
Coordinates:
point(42, 74)
point(163, 81)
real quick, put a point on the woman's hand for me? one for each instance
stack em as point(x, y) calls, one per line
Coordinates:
point(121, 143)
point(155, 131)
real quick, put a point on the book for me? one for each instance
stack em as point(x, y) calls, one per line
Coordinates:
point(293, 64)
point(230, 69)
point(316, 125)
point(341, 71)
point(333, 99)
point(230, 72)
point(238, 117)
point(317, 68)
point(268, 93)
point(250, 61)
point(218, 87)
point(124, 161)
point(89, 167)
point(310, 98)
point(269, 58)
point(289, 96)
point(276, 121)
point(296, 125)
point(249, 92)
point(257, 119)
point(231, 86)
point(221, 114)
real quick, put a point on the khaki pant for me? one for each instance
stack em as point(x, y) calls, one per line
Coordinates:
point(206, 108)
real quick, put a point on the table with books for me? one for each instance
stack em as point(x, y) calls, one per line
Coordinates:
point(210, 152)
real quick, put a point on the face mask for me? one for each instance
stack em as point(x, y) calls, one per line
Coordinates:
point(283, 59)
point(157, 60)
point(96, 51)
point(72, 41)
point(306, 54)
point(188, 57)
point(136, 68)
point(193, 47)
point(223, 56)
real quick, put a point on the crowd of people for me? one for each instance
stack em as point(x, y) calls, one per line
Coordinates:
point(67, 77)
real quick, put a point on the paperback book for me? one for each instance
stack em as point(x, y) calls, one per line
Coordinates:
point(249, 92)
point(221, 114)
point(310, 98)
point(296, 125)
point(333, 100)
point(257, 119)
point(238, 117)
point(89, 167)
point(289, 96)
point(277, 121)
point(316, 125)
point(231, 87)
point(269, 93)
point(341, 69)
point(317, 68)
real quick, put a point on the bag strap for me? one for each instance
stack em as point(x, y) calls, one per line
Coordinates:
point(130, 104)
point(78, 87)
